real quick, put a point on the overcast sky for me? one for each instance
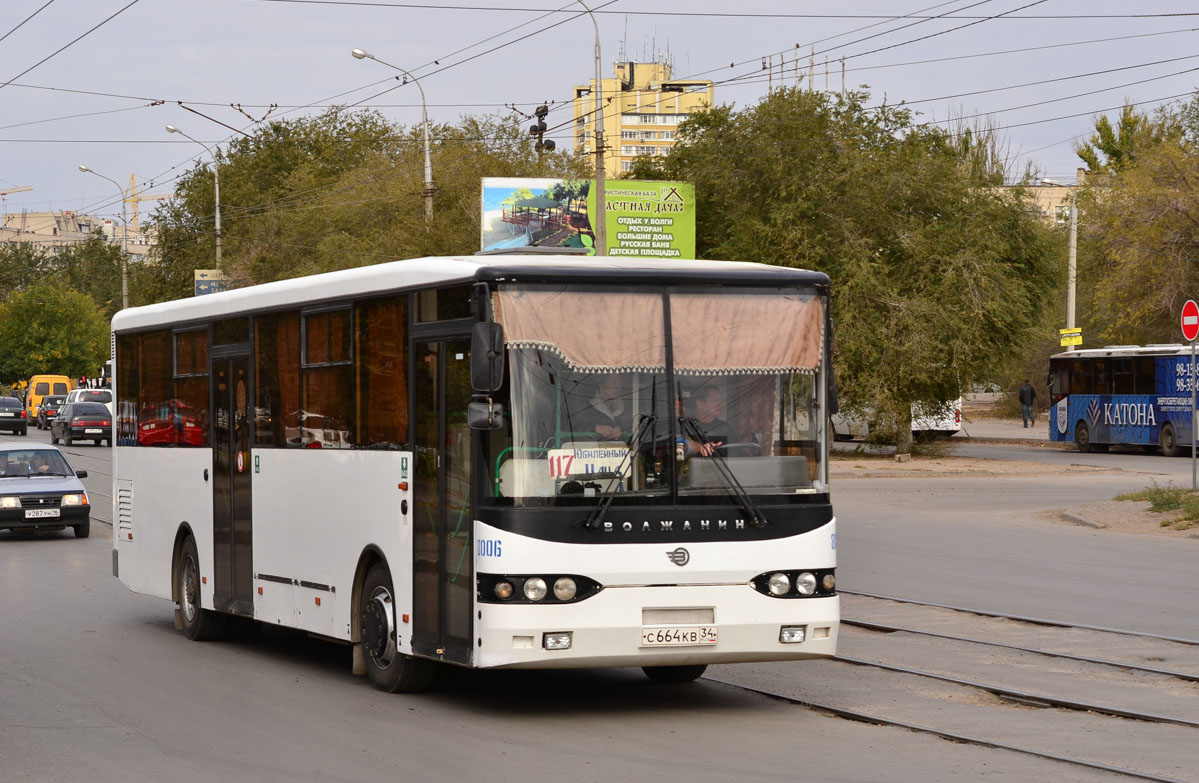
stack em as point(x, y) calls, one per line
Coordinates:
point(80, 80)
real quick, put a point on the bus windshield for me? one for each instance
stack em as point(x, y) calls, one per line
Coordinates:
point(649, 394)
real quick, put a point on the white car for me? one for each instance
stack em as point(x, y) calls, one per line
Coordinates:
point(927, 422)
point(92, 395)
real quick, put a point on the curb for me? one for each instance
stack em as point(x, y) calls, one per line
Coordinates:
point(1015, 441)
point(1070, 516)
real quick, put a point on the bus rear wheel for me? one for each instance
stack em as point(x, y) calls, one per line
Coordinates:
point(1168, 442)
point(388, 668)
point(198, 624)
point(674, 674)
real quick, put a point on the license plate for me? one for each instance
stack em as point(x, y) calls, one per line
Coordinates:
point(7, 413)
point(40, 513)
point(677, 635)
point(92, 432)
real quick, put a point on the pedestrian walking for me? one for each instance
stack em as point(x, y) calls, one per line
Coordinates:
point(1027, 395)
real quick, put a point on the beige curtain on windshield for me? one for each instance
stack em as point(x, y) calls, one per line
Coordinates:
point(592, 332)
point(746, 334)
point(714, 334)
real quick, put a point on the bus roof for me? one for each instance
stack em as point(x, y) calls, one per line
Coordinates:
point(1156, 349)
point(438, 271)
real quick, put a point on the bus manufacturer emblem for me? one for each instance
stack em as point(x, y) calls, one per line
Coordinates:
point(679, 557)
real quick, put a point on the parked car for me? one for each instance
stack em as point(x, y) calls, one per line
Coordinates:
point(82, 421)
point(93, 395)
point(928, 421)
point(48, 410)
point(40, 491)
point(12, 416)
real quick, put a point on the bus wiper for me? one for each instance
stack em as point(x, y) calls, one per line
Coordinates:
point(597, 513)
point(692, 430)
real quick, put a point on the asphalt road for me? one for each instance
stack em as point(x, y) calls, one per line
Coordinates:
point(97, 686)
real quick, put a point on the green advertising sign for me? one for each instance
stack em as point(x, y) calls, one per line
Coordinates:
point(649, 218)
point(654, 219)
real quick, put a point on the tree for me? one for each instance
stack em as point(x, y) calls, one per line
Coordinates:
point(337, 191)
point(92, 267)
point(1114, 148)
point(937, 276)
point(50, 329)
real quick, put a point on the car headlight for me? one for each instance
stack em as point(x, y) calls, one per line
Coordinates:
point(535, 588)
point(779, 584)
point(12, 501)
point(75, 499)
point(805, 583)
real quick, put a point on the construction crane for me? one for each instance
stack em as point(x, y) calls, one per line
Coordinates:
point(11, 189)
point(134, 198)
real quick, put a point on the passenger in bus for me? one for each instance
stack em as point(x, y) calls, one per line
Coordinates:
point(607, 414)
point(706, 406)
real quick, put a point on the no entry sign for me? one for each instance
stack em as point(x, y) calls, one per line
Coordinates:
point(1190, 320)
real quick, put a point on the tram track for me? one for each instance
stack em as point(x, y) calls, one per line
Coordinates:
point(1023, 684)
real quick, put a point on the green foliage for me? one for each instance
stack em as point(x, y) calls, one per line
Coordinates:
point(937, 275)
point(50, 329)
point(1115, 148)
point(1169, 498)
point(1139, 238)
point(92, 267)
point(337, 191)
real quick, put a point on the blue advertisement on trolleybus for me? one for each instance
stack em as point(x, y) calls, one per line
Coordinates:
point(1161, 418)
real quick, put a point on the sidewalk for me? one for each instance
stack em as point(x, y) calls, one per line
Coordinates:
point(993, 429)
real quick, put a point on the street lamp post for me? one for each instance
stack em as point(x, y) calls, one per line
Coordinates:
point(600, 222)
point(1072, 258)
point(360, 54)
point(216, 188)
point(124, 238)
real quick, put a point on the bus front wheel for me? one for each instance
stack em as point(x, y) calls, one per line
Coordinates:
point(674, 674)
point(1168, 442)
point(1082, 439)
point(198, 624)
point(388, 669)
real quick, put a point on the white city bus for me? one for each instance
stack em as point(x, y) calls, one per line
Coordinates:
point(397, 457)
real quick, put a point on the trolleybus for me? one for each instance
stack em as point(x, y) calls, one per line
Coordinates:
point(402, 458)
point(1123, 394)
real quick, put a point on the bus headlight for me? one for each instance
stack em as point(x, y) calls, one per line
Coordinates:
point(503, 590)
point(779, 584)
point(12, 501)
point(805, 583)
point(565, 588)
point(535, 588)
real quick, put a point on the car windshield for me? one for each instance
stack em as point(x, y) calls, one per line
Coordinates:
point(89, 409)
point(33, 462)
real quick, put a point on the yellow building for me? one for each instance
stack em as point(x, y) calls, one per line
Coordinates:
point(643, 107)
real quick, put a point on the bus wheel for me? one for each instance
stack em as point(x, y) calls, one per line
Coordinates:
point(198, 624)
point(674, 674)
point(389, 669)
point(1082, 438)
point(1169, 443)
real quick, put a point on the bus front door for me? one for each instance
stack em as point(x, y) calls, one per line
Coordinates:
point(443, 567)
point(231, 517)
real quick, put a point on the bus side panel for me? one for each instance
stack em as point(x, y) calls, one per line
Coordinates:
point(168, 489)
point(642, 581)
point(1133, 419)
point(315, 512)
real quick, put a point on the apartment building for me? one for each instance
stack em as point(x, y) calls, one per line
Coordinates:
point(643, 106)
point(55, 230)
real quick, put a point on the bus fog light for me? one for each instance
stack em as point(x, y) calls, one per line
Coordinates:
point(556, 641)
point(792, 634)
point(805, 583)
point(779, 584)
point(535, 588)
point(565, 588)
point(503, 590)
point(829, 582)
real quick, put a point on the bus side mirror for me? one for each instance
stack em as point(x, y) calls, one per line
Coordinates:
point(484, 415)
point(487, 357)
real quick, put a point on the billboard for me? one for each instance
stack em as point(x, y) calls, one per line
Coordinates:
point(654, 219)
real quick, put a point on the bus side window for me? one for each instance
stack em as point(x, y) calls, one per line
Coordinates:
point(1122, 379)
point(1080, 377)
point(1146, 375)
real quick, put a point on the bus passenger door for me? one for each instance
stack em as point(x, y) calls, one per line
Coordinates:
point(231, 517)
point(443, 567)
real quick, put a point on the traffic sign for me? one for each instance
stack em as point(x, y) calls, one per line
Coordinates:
point(1072, 336)
point(1190, 320)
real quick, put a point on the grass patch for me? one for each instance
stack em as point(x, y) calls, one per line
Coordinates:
point(1169, 498)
